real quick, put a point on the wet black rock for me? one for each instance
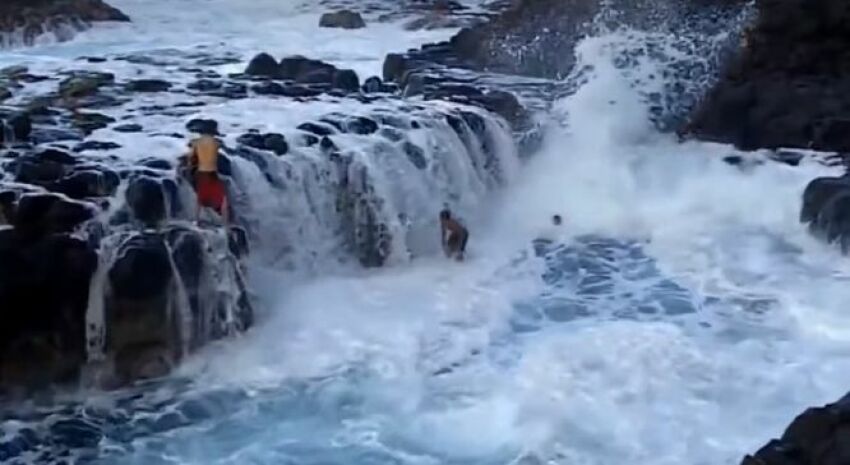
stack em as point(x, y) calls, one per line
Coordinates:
point(205, 85)
point(818, 192)
point(273, 142)
point(263, 65)
point(30, 19)
point(344, 19)
point(361, 125)
point(819, 436)
point(146, 200)
point(44, 286)
point(96, 145)
point(84, 83)
point(87, 183)
point(786, 87)
point(276, 143)
point(415, 154)
point(202, 126)
point(37, 215)
point(316, 128)
point(268, 88)
point(88, 122)
point(373, 85)
point(20, 125)
point(327, 144)
point(346, 79)
point(148, 85)
point(131, 127)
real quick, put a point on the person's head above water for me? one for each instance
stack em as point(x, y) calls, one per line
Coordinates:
point(556, 220)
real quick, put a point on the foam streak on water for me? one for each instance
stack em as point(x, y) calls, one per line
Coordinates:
point(681, 316)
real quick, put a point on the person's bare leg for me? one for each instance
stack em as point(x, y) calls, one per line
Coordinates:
point(225, 212)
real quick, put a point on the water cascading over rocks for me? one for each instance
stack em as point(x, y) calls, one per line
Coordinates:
point(361, 185)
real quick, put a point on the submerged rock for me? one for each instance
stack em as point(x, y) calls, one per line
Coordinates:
point(344, 19)
point(148, 85)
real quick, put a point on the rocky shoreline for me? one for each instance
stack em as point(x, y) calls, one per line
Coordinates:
point(103, 267)
point(23, 22)
point(149, 287)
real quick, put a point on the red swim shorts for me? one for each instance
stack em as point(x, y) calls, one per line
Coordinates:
point(211, 191)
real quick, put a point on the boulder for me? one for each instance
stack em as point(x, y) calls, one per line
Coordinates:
point(37, 215)
point(84, 83)
point(316, 128)
point(130, 127)
point(304, 70)
point(818, 436)
point(20, 125)
point(785, 87)
point(146, 200)
point(44, 287)
point(96, 145)
point(272, 141)
point(373, 85)
point(344, 19)
point(202, 126)
point(817, 193)
point(361, 125)
point(142, 326)
point(87, 183)
point(263, 65)
point(347, 80)
point(88, 122)
point(148, 85)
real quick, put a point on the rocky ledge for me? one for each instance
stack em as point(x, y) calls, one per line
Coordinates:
point(787, 87)
point(819, 436)
point(22, 22)
point(105, 276)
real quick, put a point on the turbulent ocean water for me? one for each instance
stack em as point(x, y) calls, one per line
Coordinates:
point(680, 315)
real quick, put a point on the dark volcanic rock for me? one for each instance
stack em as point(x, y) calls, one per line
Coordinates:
point(263, 65)
point(44, 287)
point(40, 214)
point(84, 83)
point(32, 18)
point(146, 199)
point(148, 85)
point(273, 142)
point(20, 125)
point(819, 436)
point(787, 87)
point(202, 126)
point(347, 80)
point(96, 145)
point(131, 127)
point(344, 19)
point(316, 128)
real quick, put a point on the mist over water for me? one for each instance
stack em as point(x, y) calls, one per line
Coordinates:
point(681, 315)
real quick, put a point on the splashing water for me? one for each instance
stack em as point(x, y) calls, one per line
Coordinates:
point(680, 315)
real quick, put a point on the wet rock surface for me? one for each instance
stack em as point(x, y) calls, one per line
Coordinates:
point(818, 436)
point(62, 18)
point(786, 86)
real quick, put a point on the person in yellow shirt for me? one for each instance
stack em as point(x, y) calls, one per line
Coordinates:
point(203, 158)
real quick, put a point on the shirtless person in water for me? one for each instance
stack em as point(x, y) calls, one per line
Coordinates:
point(453, 236)
point(208, 185)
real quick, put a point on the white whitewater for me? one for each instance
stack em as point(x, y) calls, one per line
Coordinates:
point(684, 318)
